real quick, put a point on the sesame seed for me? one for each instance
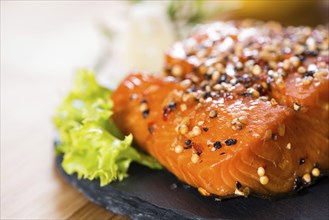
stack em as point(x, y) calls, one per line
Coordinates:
point(215, 76)
point(195, 158)
point(307, 80)
point(209, 99)
point(296, 106)
point(316, 172)
point(187, 97)
point(322, 64)
point(195, 79)
point(239, 66)
point(274, 102)
point(143, 107)
point(286, 64)
point(301, 70)
point(200, 123)
point(213, 114)
point(219, 67)
point(177, 71)
point(288, 146)
point(203, 69)
point(263, 180)
point(238, 192)
point(217, 87)
point(256, 70)
point(321, 74)
point(280, 83)
point(133, 96)
point(264, 85)
point(205, 129)
point(179, 149)
point(242, 192)
point(282, 129)
point(294, 61)
point(312, 68)
point(183, 129)
point(196, 130)
point(220, 101)
point(243, 119)
point(183, 107)
point(307, 177)
point(261, 171)
point(186, 83)
point(235, 121)
point(268, 135)
point(203, 192)
point(253, 92)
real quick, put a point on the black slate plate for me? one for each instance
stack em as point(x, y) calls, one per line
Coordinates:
point(149, 194)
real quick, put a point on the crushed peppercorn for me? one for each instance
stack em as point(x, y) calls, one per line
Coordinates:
point(230, 142)
point(217, 145)
point(146, 113)
point(301, 161)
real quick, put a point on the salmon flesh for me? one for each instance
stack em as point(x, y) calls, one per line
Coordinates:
point(242, 109)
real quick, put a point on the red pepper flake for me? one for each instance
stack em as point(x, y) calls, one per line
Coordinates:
point(197, 147)
point(167, 109)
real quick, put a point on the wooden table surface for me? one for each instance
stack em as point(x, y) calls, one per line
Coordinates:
point(38, 58)
point(41, 45)
point(31, 187)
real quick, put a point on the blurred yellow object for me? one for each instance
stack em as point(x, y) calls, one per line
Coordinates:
point(312, 12)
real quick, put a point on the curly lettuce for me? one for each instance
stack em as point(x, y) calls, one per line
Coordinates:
point(91, 144)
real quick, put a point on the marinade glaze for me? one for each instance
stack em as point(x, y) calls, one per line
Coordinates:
point(243, 108)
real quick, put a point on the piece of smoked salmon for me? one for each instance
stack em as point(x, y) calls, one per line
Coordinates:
point(238, 124)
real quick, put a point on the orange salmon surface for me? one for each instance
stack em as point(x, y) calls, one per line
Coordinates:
point(243, 109)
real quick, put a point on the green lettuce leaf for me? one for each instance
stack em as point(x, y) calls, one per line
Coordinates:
point(91, 144)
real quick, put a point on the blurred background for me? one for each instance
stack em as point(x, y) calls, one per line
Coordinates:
point(114, 37)
point(44, 42)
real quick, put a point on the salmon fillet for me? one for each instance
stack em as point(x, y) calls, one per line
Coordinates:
point(231, 124)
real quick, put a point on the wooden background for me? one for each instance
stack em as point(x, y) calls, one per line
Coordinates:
point(41, 45)
point(31, 187)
